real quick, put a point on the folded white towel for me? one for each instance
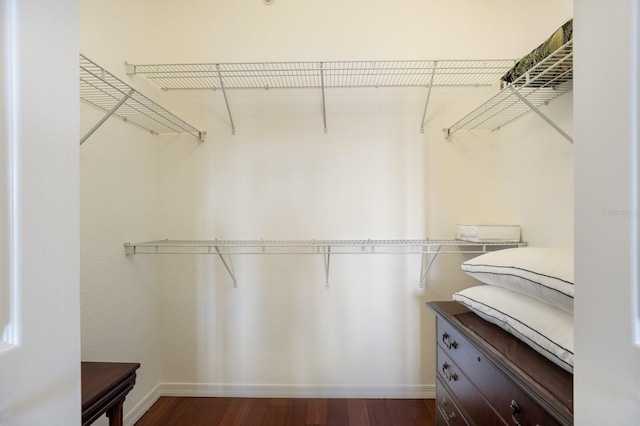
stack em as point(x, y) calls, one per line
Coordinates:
point(488, 233)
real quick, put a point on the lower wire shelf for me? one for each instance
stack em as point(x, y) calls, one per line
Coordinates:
point(428, 248)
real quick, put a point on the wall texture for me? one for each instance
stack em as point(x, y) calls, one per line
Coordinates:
point(373, 175)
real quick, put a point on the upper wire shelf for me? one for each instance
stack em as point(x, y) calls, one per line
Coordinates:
point(323, 75)
point(267, 75)
point(548, 79)
point(102, 89)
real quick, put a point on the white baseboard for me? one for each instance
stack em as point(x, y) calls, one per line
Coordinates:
point(298, 391)
point(277, 391)
point(142, 407)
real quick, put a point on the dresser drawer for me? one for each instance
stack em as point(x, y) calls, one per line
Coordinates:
point(510, 401)
point(507, 399)
point(455, 344)
point(448, 412)
point(469, 396)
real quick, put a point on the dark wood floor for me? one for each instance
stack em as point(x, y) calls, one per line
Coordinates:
point(170, 411)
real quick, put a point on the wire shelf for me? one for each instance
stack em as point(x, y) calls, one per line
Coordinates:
point(326, 248)
point(331, 74)
point(425, 246)
point(103, 90)
point(323, 75)
point(550, 78)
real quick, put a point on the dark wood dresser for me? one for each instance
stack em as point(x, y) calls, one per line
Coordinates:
point(488, 377)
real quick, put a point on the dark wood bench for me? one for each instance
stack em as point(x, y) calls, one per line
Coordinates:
point(104, 388)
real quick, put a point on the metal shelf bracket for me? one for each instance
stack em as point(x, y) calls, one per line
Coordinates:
point(543, 116)
point(226, 265)
point(426, 268)
point(324, 110)
point(426, 105)
point(327, 260)
point(106, 117)
point(226, 101)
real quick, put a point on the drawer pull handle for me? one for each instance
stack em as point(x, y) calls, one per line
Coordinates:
point(449, 377)
point(450, 344)
point(448, 417)
point(515, 410)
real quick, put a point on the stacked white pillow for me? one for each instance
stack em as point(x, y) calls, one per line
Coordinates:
point(529, 293)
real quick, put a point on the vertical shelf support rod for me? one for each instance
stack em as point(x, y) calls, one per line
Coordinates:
point(424, 114)
point(324, 110)
point(106, 117)
point(226, 101)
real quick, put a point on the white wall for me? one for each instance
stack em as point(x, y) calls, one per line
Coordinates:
point(374, 175)
point(40, 357)
point(606, 213)
point(536, 175)
point(119, 203)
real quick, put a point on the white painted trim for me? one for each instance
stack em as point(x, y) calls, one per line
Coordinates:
point(635, 172)
point(142, 407)
point(10, 335)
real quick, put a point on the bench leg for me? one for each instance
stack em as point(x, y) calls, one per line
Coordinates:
point(115, 414)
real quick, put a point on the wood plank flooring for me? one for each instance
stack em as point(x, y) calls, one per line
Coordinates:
point(183, 411)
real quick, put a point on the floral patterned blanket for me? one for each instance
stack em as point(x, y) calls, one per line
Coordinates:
point(553, 43)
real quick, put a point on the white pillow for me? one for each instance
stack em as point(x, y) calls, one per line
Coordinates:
point(543, 273)
point(548, 330)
